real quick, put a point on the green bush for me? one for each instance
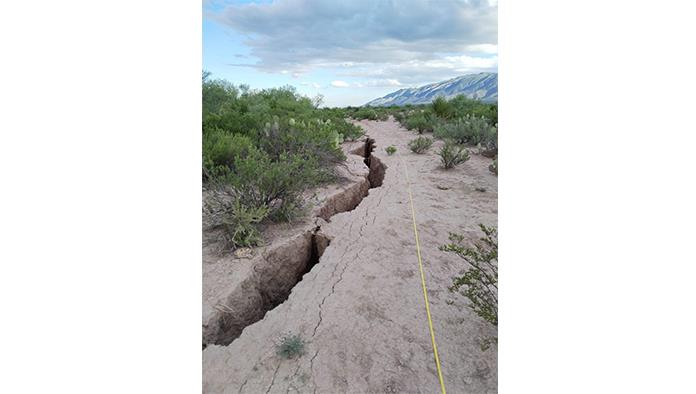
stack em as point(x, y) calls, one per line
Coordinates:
point(312, 139)
point(290, 346)
point(468, 129)
point(259, 181)
point(349, 131)
point(420, 144)
point(442, 108)
point(236, 219)
point(391, 149)
point(479, 279)
point(267, 147)
point(365, 113)
point(240, 225)
point(421, 122)
point(452, 154)
point(464, 106)
point(220, 150)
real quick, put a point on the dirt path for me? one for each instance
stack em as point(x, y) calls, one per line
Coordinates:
point(361, 308)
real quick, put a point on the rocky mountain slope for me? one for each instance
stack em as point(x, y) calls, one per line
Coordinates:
point(481, 86)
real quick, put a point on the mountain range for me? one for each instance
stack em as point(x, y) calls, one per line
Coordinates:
point(481, 86)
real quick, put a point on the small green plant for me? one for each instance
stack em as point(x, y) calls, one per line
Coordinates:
point(290, 346)
point(479, 280)
point(420, 144)
point(240, 224)
point(238, 221)
point(494, 167)
point(391, 149)
point(452, 154)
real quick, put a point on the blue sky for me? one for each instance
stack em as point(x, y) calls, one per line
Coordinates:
point(349, 51)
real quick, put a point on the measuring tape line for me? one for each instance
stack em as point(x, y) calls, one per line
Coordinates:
point(422, 275)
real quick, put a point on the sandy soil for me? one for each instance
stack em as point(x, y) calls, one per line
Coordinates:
point(361, 308)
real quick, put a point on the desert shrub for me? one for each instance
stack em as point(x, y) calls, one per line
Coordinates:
point(420, 122)
point(267, 146)
point(478, 282)
point(240, 224)
point(290, 346)
point(260, 181)
point(238, 221)
point(312, 139)
point(442, 108)
point(391, 149)
point(468, 129)
point(349, 131)
point(463, 106)
point(365, 113)
point(420, 144)
point(494, 167)
point(220, 150)
point(452, 154)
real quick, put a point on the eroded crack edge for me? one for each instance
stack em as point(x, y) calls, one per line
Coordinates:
point(375, 178)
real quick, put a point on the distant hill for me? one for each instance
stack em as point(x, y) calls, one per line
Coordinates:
point(481, 86)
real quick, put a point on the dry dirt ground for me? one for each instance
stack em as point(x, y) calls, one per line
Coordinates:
point(360, 308)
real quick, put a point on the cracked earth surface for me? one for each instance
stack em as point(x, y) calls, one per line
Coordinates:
point(360, 309)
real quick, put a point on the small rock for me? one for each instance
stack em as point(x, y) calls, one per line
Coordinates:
point(441, 187)
point(244, 253)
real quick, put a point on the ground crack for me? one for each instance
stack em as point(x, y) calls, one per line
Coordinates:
point(274, 378)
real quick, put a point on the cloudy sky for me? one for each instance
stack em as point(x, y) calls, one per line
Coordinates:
point(349, 51)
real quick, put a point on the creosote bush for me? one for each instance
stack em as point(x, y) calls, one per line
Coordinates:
point(452, 154)
point(290, 346)
point(391, 149)
point(478, 282)
point(420, 144)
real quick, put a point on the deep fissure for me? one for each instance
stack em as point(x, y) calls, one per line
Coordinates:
point(272, 284)
point(377, 168)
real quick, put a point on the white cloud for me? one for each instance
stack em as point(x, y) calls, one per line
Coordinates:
point(483, 48)
point(362, 36)
point(340, 84)
point(378, 83)
point(418, 72)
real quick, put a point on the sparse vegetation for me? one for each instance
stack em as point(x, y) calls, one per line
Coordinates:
point(478, 282)
point(452, 154)
point(420, 144)
point(494, 167)
point(371, 113)
point(391, 149)
point(469, 130)
point(426, 118)
point(262, 149)
point(290, 346)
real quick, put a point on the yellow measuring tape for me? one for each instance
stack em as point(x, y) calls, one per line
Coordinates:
point(422, 275)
